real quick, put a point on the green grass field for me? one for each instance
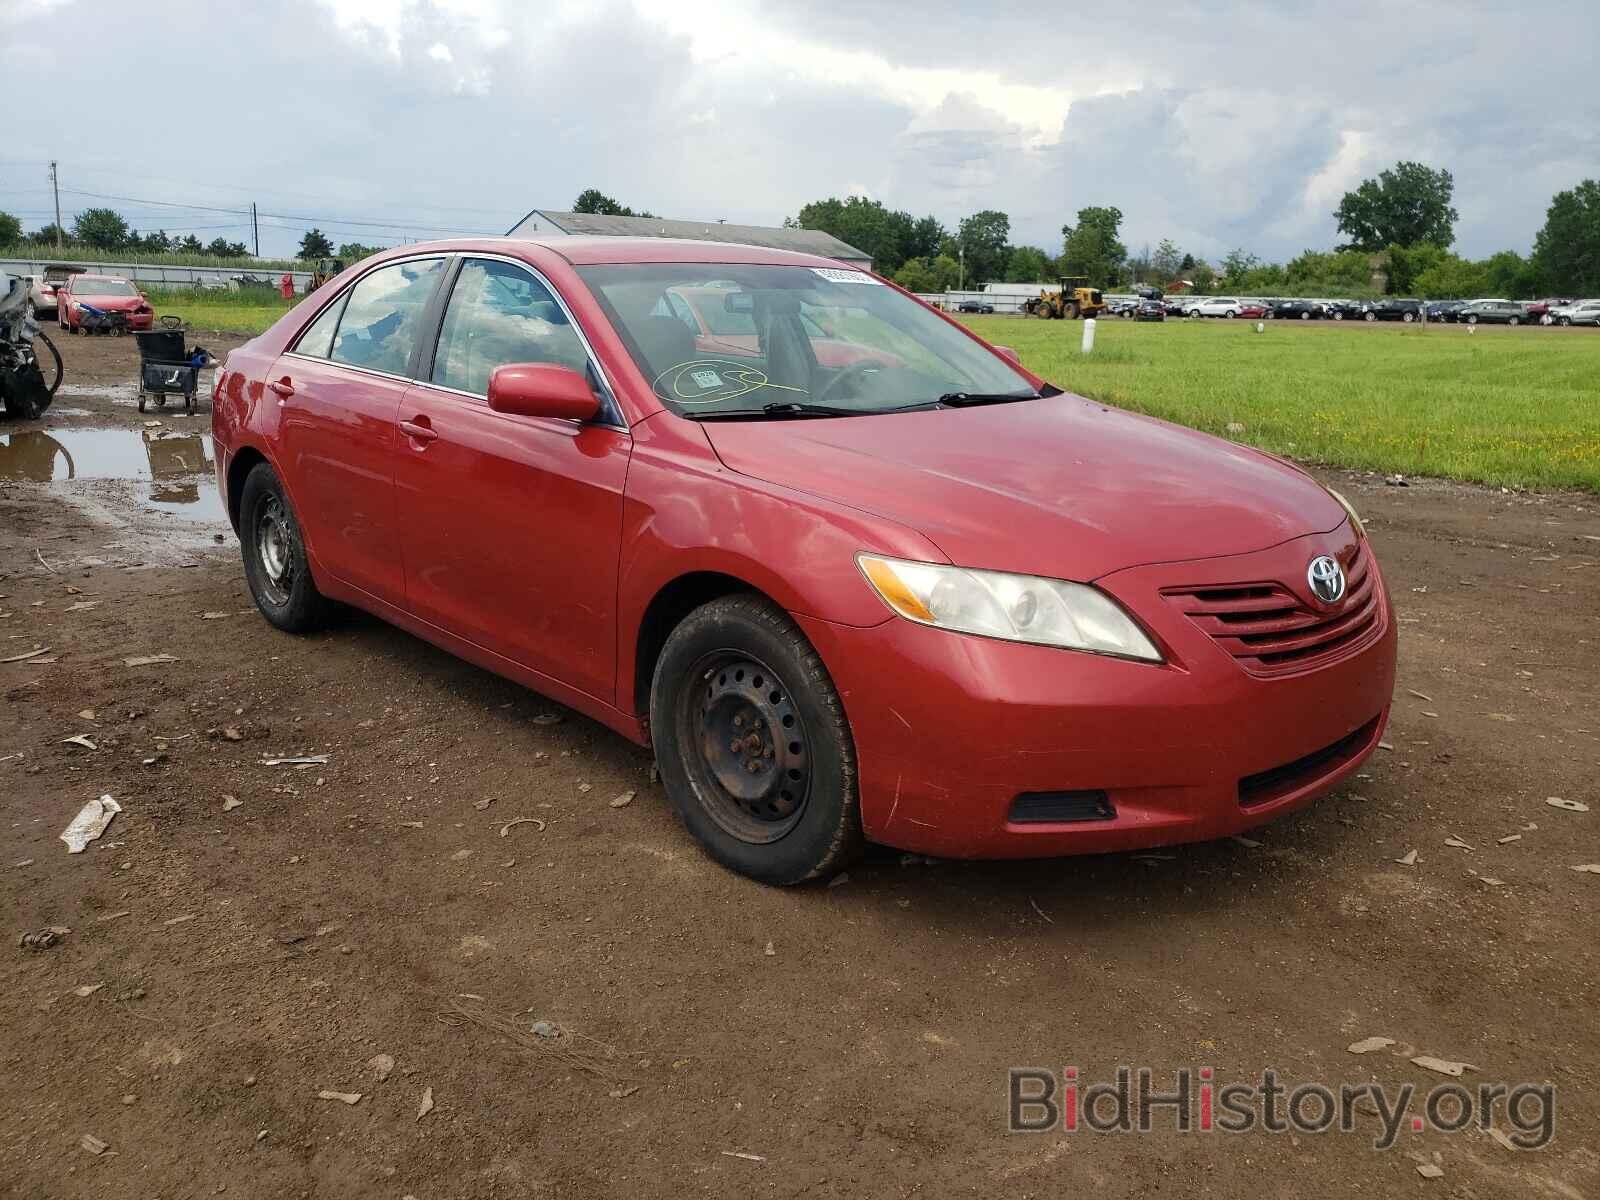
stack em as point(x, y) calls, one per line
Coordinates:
point(1514, 407)
point(246, 312)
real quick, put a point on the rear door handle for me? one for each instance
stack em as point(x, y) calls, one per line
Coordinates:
point(283, 387)
point(418, 430)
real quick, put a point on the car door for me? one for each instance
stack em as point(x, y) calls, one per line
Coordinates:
point(339, 389)
point(512, 524)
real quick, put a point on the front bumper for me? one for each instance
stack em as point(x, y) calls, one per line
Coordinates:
point(950, 729)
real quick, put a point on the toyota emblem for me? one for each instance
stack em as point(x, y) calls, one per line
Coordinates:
point(1326, 578)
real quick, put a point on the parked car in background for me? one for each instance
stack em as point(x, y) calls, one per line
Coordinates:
point(1216, 306)
point(1150, 310)
point(1580, 312)
point(1149, 636)
point(1540, 310)
point(1444, 310)
point(1492, 312)
point(1393, 309)
point(975, 306)
point(1254, 309)
point(1297, 310)
point(1342, 310)
point(107, 293)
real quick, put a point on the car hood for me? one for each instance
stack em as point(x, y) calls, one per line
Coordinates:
point(1060, 486)
point(111, 303)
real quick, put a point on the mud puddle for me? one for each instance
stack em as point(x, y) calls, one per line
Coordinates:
point(162, 472)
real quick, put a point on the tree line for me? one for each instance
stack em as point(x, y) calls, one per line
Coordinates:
point(1398, 227)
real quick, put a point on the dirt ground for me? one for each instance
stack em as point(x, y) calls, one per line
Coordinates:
point(718, 1037)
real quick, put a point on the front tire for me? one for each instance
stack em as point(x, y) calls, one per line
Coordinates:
point(1371, 316)
point(1513, 321)
point(753, 744)
point(275, 563)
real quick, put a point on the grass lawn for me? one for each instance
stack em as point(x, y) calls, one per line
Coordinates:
point(246, 312)
point(1515, 407)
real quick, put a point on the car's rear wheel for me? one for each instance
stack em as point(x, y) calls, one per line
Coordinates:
point(1371, 316)
point(1472, 318)
point(1408, 317)
point(275, 564)
point(1305, 316)
point(753, 745)
point(1566, 321)
point(1338, 316)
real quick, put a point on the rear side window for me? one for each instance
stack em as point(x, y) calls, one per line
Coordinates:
point(382, 315)
point(317, 340)
point(500, 314)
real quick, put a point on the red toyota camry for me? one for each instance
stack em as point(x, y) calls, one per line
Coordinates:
point(105, 293)
point(853, 572)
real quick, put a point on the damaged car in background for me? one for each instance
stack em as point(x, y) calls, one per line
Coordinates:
point(25, 388)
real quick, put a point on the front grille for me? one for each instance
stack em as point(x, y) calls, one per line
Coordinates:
point(1061, 807)
point(1272, 632)
point(1280, 781)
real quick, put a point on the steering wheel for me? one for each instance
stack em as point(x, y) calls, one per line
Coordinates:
point(847, 374)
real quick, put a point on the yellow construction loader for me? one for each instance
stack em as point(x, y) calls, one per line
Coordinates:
point(1071, 299)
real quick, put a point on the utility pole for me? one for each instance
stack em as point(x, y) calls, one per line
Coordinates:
point(56, 188)
point(255, 229)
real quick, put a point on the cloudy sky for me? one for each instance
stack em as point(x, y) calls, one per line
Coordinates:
point(1218, 125)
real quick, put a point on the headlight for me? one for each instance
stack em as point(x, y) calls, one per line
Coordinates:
point(1017, 608)
point(1350, 511)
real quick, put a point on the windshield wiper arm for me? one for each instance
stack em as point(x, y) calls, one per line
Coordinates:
point(971, 399)
point(787, 409)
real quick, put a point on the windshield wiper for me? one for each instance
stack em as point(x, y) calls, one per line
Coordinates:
point(972, 399)
point(790, 409)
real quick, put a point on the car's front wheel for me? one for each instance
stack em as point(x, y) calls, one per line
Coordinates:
point(1472, 318)
point(1566, 321)
point(1371, 316)
point(753, 745)
point(1408, 317)
point(275, 564)
point(1513, 321)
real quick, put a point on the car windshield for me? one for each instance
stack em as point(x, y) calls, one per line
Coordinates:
point(94, 285)
point(716, 339)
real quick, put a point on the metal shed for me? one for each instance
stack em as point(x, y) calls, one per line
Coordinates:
point(545, 223)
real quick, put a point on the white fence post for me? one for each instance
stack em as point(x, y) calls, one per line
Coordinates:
point(1088, 335)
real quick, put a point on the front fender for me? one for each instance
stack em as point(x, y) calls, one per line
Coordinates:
point(685, 513)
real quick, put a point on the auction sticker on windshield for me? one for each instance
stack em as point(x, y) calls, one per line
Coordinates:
point(835, 275)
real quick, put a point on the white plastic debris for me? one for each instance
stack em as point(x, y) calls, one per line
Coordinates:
point(149, 660)
point(341, 1097)
point(1577, 806)
point(90, 823)
point(426, 1105)
point(296, 761)
point(1368, 1045)
point(1442, 1065)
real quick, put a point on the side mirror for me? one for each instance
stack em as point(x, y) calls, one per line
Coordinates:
point(542, 390)
point(1008, 352)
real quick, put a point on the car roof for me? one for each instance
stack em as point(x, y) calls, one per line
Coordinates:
point(595, 251)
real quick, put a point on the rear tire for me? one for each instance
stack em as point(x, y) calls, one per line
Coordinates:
point(753, 745)
point(1472, 318)
point(275, 563)
point(1305, 316)
point(1407, 318)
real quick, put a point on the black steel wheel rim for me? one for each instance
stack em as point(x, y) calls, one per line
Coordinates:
point(745, 746)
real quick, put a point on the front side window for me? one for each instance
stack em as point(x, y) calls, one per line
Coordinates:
point(501, 314)
point(379, 327)
point(790, 335)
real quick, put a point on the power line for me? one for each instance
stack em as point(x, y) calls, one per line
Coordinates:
point(245, 212)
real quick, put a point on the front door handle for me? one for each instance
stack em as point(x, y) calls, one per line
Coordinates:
point(283, 387)
point(418, 430)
